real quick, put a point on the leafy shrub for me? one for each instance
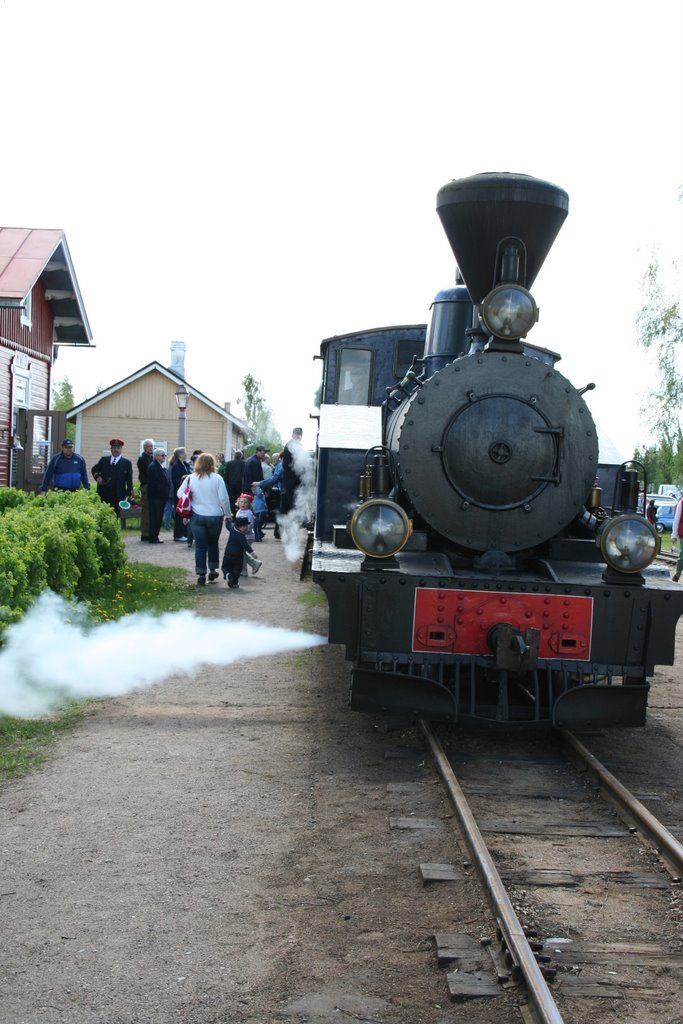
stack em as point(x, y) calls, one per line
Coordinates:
point(11, 498)
point(69, 543)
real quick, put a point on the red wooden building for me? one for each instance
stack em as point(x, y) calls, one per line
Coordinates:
point(40, 309)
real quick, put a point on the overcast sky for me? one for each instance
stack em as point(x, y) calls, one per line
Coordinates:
point(253, 178)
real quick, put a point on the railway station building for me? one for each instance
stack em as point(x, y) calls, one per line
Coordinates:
point(41, 310)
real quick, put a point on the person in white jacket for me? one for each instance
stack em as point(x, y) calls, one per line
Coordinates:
point(209, 505)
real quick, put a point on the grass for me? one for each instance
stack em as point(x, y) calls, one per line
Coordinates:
point(312, 598)
point(25, 743)
point(148, 588)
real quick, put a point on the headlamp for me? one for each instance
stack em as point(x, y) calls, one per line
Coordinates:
point(629, 543)
point(509, 312)
point(380, 528)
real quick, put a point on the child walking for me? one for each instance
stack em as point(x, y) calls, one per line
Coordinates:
point(259, 509)
point(243, 506)
point(235, 550)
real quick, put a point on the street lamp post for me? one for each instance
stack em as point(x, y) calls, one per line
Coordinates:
point(182, 396)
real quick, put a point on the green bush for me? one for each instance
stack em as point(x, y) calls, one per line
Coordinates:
point(11, 498)
point(15, 596)
point(68, 543)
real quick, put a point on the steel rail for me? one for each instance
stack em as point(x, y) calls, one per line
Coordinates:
point(669, 847)
point(543, 1003)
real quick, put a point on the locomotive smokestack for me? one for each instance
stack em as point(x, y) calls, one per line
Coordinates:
point(479, 212)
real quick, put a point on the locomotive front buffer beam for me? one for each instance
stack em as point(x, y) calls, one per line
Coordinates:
point(565, 650)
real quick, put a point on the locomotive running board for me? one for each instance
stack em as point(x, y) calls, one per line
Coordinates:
point(608, 707)
point(389, 693)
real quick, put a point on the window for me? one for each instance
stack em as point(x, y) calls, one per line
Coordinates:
point(404, 352)
point(21, 382)
point(21, 400)
point(27, 311)
point(21, 390)
point(354, 377)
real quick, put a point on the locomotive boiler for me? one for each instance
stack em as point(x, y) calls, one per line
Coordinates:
point(482, 560)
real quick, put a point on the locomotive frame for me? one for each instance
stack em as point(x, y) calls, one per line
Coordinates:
point(473, 571)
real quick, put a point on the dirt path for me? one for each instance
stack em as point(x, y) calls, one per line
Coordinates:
point(203, 851)
point(219, 849)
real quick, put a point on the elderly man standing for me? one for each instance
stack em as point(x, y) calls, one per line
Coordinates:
point(157, 492)
point(113, 475)
point(146, 457)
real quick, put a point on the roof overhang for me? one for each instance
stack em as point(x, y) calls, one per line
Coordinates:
point(31, 255)
point(71, 325)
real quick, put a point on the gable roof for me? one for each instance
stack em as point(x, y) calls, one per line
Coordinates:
point(28, 255)
point(173, 377)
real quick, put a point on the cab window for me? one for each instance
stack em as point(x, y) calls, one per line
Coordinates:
point(354, 376)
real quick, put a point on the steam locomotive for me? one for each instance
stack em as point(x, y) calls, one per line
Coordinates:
point(481, 564)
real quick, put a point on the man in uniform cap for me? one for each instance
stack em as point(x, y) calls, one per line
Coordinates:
point(114, 475)
point(66, 470)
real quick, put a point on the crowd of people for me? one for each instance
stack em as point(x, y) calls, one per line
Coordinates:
point(245, 495)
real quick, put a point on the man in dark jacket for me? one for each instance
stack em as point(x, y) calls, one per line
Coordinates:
point(157, 493)
point(253, 469)
point(66, 470)
point(233, 472)
point(113, 475)
point(146, 458)
point(291, 475)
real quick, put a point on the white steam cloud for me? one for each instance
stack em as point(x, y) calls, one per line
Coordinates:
point(291, 525)
point(54, 653)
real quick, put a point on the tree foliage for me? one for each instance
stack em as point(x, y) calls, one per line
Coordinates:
point(258, 416)
point(63, 395)
point(663, 464)
point(253, 400)
point(63, 400)
point(660, 330)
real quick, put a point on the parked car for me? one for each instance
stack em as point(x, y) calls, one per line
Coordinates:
point(665, 510)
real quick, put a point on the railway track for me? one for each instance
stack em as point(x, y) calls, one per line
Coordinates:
point(668, 557)
point(539, 807)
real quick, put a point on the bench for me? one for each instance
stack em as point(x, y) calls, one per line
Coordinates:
point(129, 513)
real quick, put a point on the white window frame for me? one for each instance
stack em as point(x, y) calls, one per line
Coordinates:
point(27, 311)
point(21, 371)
